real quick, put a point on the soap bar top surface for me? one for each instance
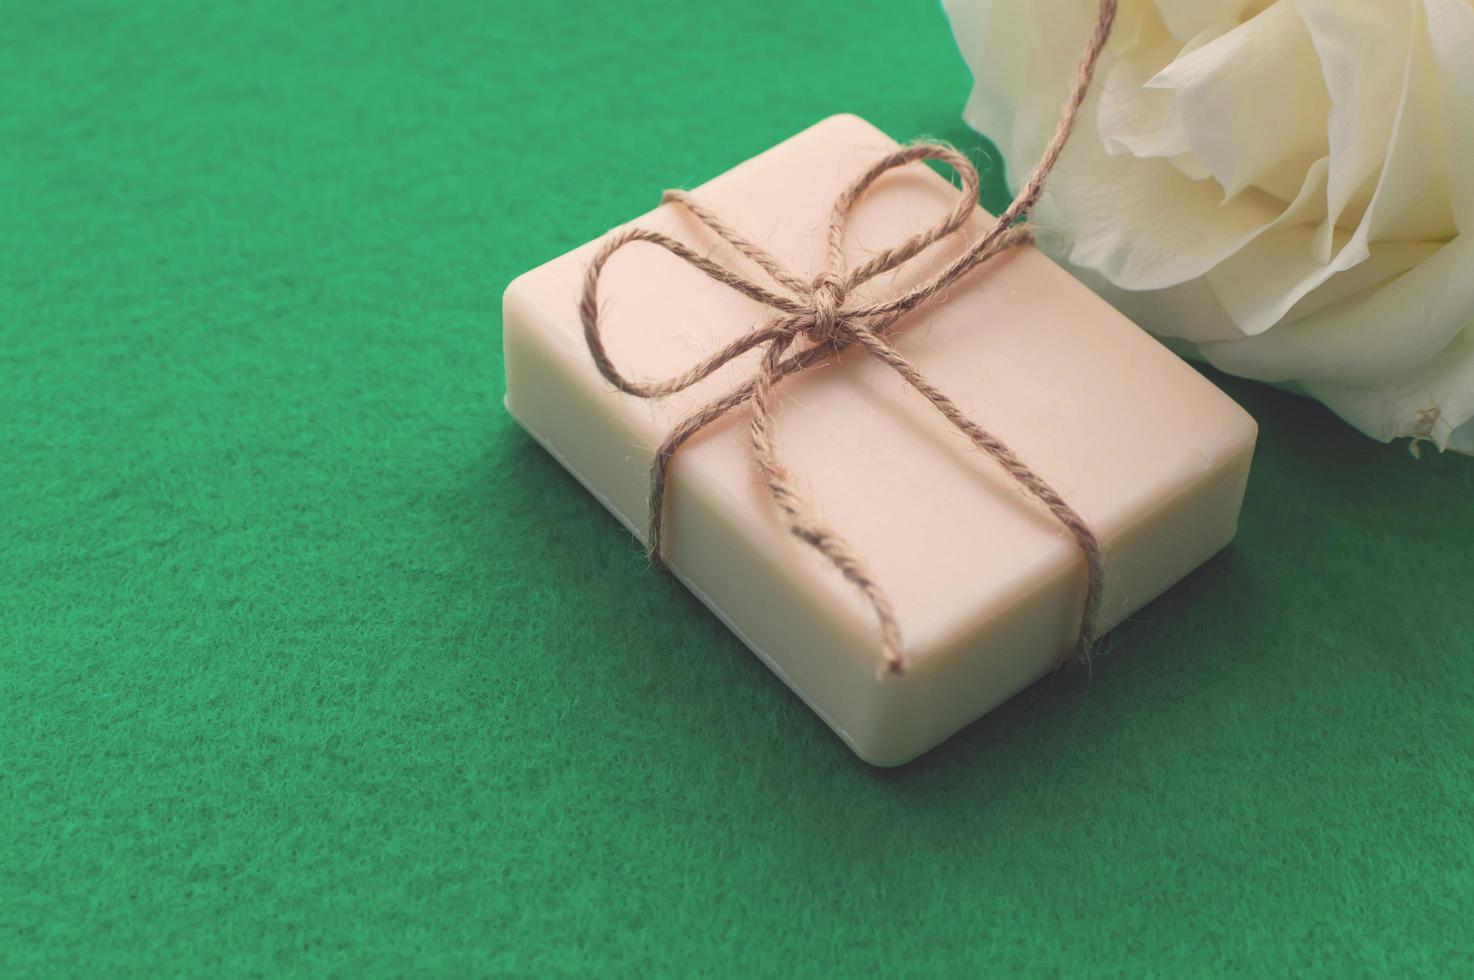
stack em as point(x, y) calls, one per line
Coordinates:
point(1111, 419)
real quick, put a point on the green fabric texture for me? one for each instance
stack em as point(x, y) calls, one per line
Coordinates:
point(311, 662)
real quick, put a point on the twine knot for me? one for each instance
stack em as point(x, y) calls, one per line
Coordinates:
point(817, 310)
point(827, 298)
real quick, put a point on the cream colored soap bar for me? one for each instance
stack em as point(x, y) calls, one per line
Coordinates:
point(987, 586)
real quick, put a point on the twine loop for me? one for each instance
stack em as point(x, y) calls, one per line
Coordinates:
point(820, 312)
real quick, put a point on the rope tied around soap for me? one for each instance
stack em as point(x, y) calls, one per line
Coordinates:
point(819, 312)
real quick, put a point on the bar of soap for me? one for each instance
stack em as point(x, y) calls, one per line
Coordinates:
point(987, 586)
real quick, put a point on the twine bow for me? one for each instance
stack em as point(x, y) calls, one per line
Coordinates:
point(816, 319)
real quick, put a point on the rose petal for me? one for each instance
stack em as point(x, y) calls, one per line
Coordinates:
point(1132, 118)
point(1252, 102)
point(1188, 311)
point(1461, 440)
point(1185, 18)
point(1412, 200)
point(1451, 40)
point(1387, 259)
point(1362, 49)
point(1144, 224)
point(1022, 57)
point(987, 35)
point(1370, 337)
point(1261, 285)
point(1432, 401)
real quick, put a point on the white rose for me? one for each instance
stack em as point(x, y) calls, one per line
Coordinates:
point(1286, 188)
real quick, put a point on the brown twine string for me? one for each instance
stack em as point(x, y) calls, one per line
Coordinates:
point(819, 312)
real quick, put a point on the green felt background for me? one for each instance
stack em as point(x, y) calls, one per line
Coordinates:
point(310, 661)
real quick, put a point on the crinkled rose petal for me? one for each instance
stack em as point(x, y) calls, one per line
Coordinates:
point(1259, 285)
point(1142, 222)
point(1252, 103)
